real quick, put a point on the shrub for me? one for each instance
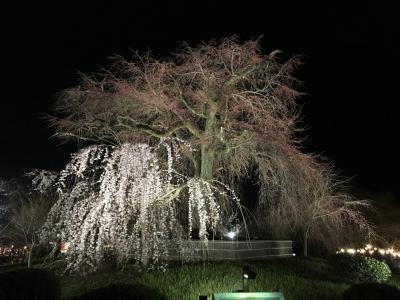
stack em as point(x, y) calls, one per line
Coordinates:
point(29, 284)
point(365, 268)
point(362, 268)
point(371, 291)
point(122, 292)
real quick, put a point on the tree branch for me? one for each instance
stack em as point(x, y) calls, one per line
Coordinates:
point(191, 109)
point(159, 134)
point(242, 75)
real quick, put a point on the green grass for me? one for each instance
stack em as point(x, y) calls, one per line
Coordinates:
point(297, 278)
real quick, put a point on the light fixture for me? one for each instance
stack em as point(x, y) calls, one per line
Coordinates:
point(231, 234)
point(247, 274)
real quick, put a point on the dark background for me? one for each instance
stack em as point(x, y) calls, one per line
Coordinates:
point(350, 71)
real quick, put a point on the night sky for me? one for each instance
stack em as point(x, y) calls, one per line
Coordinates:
point(350, 71)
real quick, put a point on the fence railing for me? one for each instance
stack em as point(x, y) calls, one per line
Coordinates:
point(233, 250)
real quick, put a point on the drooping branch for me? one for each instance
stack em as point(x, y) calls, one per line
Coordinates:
point(140, 202)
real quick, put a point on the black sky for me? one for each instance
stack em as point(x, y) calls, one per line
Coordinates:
point(350, 71)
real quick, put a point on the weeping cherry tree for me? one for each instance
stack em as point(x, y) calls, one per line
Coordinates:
point(234, 111)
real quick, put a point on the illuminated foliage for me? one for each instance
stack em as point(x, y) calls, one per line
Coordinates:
point(122, 203)
point(42, 181)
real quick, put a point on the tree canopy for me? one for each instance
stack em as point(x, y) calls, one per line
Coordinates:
point(234, 111)
point(228, 100)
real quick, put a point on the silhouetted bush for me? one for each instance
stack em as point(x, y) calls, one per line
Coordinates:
point(394, 265)
point(340, 262)
point(371, 291)
point(122, 292)
point(29, 284)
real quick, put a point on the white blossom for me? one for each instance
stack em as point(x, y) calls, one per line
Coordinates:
point(123, 202)
point(42, 180)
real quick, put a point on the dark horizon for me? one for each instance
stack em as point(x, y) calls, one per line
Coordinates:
point(349, 73)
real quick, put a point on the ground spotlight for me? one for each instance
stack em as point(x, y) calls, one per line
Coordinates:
point(247, 274)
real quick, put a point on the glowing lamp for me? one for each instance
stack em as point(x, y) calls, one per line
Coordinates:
point(231, 235)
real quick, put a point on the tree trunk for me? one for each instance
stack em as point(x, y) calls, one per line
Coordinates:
point(207, 150)
point(30, 249)
point(305, 243)
point(207, 162)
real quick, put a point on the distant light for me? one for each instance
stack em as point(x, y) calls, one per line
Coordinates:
point(231, 235)
point(294, 254)
point(246, 276)
point(64, 247)
point(370, 249)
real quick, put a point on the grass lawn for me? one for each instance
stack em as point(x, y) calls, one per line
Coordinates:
point(297, 278)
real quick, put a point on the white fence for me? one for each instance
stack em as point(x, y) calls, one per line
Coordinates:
point(234, 250)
